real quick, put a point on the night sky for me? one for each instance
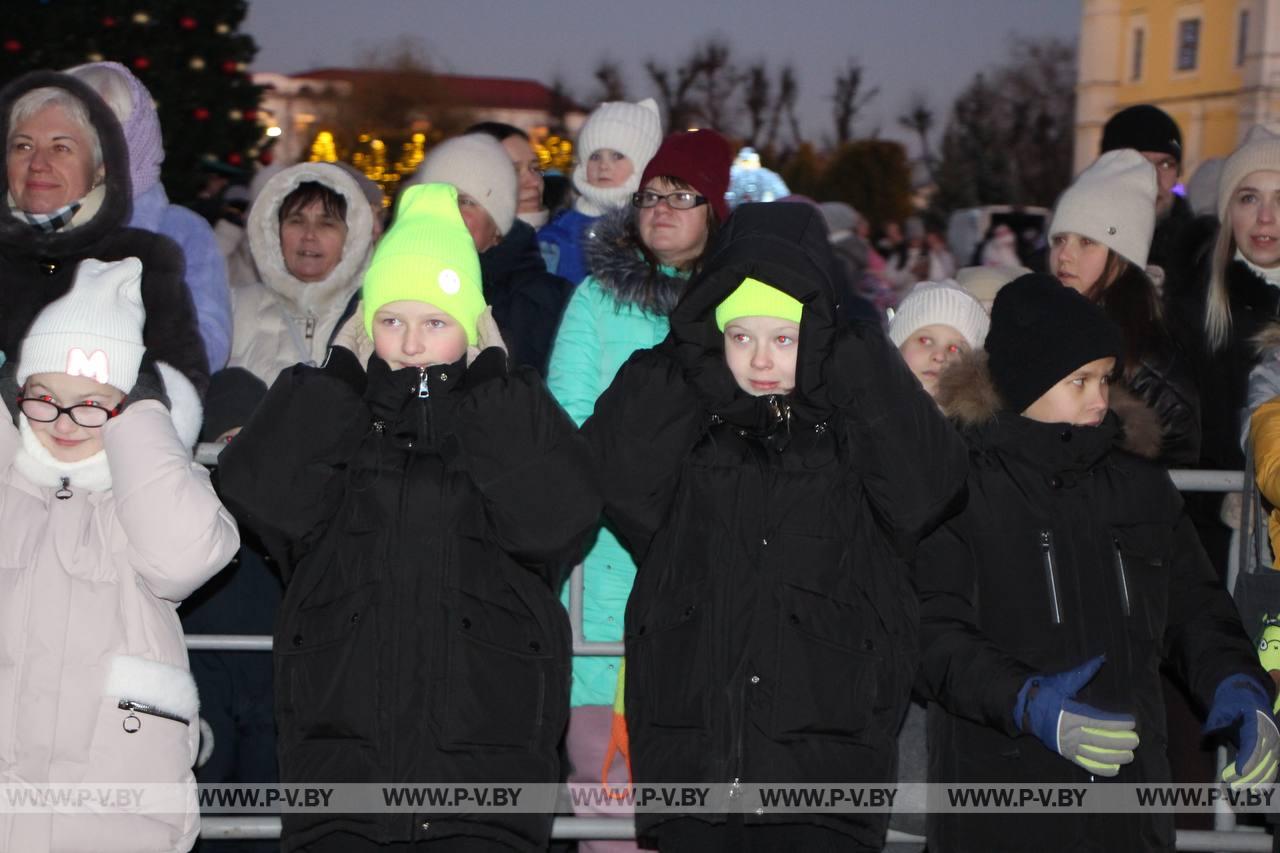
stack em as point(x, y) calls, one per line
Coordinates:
point(904, 45)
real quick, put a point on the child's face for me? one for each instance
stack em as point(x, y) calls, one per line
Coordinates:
point(1080, 399)
point(608, 168)
point(416, 334)
point(1077, 261)
point(761, 354)
point(931, 348)
point(65, 439)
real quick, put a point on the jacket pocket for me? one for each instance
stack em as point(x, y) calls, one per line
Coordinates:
point(497, 671)
point(1140, 556)
point(145, 729)
point(328, 665)
point(669, 656)
point(828, 667)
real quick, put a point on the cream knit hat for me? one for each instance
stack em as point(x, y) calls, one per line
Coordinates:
point(478, 165)
point(1260, 150)
point(940, 303)
point(631, 129)
point(1112, 202)
point(94, 330)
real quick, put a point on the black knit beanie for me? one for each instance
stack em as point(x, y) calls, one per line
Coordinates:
point(1041, 331)
point(1144, 128)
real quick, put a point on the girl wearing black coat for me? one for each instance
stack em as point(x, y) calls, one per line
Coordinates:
point(45, 235)
point(770, 634)
point(422, 511)
point(1049, 605)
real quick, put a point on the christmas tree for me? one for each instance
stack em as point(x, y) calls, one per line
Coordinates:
point(187, 52)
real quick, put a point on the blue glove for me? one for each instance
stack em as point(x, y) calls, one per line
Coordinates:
point(1099, 741)
point(1241, 702)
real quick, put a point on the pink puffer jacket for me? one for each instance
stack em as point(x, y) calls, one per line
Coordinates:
point(89, 588)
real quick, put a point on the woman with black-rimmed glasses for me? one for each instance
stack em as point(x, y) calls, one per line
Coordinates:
point(640, 260)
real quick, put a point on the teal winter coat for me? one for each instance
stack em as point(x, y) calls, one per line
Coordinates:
point(621, 307)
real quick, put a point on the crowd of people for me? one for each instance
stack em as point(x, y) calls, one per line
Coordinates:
point(856, 514)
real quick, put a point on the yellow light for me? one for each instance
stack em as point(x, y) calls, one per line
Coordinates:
point(273, 131)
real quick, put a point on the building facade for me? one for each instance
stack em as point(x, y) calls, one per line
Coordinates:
point(304, 105)
point(1214, 65)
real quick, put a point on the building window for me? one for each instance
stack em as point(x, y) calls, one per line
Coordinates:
point(1242, 37)
point(1139, 41)
point(1188, 44)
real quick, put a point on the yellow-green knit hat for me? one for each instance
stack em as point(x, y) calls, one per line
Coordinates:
point(427, 256)
point(754, 298)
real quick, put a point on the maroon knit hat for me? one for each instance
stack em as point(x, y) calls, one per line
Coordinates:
point(700, 158)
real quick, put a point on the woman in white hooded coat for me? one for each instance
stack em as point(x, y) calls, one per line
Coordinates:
point(310, 231)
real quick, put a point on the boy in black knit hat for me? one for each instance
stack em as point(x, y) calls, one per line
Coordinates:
point(1049, 605)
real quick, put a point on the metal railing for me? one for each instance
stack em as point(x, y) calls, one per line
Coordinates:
point(1241, 840)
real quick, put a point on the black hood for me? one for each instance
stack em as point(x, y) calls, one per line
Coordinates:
point(783, 245)
point(116, 204)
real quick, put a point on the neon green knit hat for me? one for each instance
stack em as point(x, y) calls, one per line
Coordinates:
point(754, 298)
point(427, 256)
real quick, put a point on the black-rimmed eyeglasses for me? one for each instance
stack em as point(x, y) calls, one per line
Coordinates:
point(678, 200)
point(45, 411)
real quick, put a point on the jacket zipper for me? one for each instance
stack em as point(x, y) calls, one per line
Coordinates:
point(310, 328)
point(1123, 577)
point(1049, 558)
point(64, 491)
point(151, 710)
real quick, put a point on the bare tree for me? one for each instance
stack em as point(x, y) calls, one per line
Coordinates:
point(612, 87)
point(674, 86)
point(785, 103)
point(756, 94)
point(848, 100)
point(715, 80)
point(918, 118)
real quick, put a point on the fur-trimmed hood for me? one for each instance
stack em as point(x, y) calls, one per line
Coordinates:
point(117, 198)
point(616, 262)
point(1267, 341)
point(968, 396)
point(264, 238)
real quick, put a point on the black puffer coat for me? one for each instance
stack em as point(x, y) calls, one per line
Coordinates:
point(1224, 375)
point(527, 300)
point(37, 268)
point(421, 537)
point(770, 634)
point(1070, 547)
point(1165, 382)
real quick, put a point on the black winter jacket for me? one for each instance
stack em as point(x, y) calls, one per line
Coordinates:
point(1070, 547)
point(527, 300)
point(36, 268)
point(770, 634)
point(1224, 375)
point(422, 535)
point(1165, 382)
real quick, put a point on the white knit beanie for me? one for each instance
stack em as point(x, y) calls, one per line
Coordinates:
point(1112, 202)
point(1260, 150)
point(631, 129)
point(94, 330)
point(478, 165)
point(940, 303)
